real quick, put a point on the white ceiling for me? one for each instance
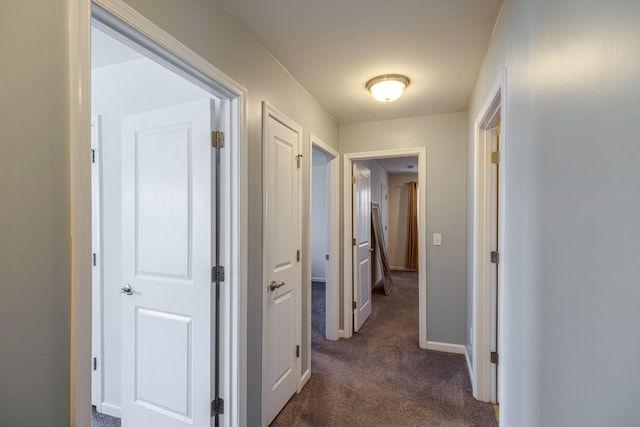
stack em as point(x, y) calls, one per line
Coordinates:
point(105, 50)
point(332, 47)
point(399, 164)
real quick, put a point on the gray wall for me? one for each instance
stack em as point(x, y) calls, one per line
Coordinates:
point(319, 215)
point(571, 154)
point(445, 137)
point(35, 259)
point(34, 214)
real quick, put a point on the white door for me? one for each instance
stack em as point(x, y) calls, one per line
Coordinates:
point(362, 248)
point(283, 276)
point(494, 240)
point(167, 253)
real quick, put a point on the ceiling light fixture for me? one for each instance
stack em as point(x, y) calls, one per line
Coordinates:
point(388, 87)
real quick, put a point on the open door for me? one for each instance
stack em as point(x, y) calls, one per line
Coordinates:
point(362, 247)
point(168, 250)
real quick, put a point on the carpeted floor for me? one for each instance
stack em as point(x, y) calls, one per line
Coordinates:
point(102, 420)
point(380, 377)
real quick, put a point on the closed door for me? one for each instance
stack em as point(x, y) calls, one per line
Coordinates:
point(362, 248)
point(283, 276)
point(167, 253)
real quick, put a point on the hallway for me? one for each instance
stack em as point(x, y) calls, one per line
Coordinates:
point(380, 377)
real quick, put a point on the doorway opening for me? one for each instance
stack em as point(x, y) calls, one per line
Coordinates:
point(165, 218)
point(489, 252)
point(356, 291)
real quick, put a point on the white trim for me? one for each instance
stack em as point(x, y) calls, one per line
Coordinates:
point(111, 410)
point(97, 278)
point(175, 56)
point(402, 268)
point(332, 292)
point(319, 279)
point(348, 158)
point(341, 333)
point(304, 379)
point(483, 374)
point(469, 367)
point(446, 347)
point(269, 111)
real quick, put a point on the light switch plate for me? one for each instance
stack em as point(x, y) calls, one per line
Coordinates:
point(437, 239)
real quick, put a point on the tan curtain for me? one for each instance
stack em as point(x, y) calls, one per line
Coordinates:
point(411, 255)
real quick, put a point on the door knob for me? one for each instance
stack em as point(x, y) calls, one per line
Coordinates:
point(126, 289)
point(275, 285)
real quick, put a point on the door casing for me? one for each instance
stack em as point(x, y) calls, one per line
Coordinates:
point(173, 54)
point(332, 289)
point(484, 323)
point(347, 264)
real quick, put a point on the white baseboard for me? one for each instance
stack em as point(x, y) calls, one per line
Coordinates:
point(341, 333)
point(111, 410)
point(319, 279)
point(446, 347)
point(305, 378)
point(469, 368)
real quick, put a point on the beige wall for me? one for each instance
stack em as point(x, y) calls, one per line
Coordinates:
point(445, 139)
point(398, 207)
point(34, 214)
point(570, 151)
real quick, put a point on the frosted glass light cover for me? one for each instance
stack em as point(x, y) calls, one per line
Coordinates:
point(388, 87)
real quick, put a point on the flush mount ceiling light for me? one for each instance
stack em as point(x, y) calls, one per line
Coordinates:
point(388, 87)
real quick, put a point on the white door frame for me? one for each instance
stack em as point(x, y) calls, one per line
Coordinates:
point(349, 158)
point(332, 289)
point(483, 371)
point(177, 57)
point(269, 111)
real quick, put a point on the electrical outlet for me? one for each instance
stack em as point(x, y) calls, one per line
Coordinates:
point(437, 239)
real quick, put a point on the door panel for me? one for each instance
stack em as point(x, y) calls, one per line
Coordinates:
point(168, 252)
point(362, 253)
point(283, 239)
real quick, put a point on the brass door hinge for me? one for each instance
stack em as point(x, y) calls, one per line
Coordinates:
point(217, 139)
point(298, 159)
point(495, 157)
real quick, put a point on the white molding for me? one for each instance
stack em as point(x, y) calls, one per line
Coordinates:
point(341, 333)
point(483, 374)
point(176, 56)
point(269, 111)
point(446, 347)
point(347, 265)
point(305, 377)
point(111, 410)
point(79, 23)
point(469, 367)
point(332, 291)
point(319, 279)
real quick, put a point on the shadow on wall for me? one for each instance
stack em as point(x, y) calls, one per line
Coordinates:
point(398, 215)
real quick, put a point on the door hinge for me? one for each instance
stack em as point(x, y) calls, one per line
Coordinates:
point(95, 363)
point(217, 139)
point(217, 274)
point(495, 157)
point(298, 160)
point(297, 351)
point(326, 257)
point(217, 406)
point(354, 305)
point(353, 242)
point(353, 179)
point(494, 357)
point(93, 155)
point(495, 257)
point(95, 262)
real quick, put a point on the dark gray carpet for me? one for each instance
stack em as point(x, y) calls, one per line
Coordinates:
point(102, 420)
point(380, 377)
